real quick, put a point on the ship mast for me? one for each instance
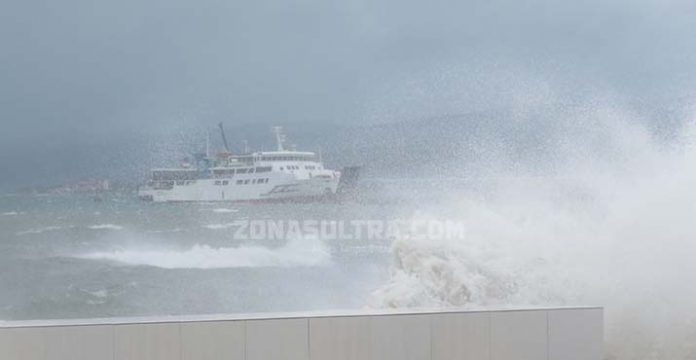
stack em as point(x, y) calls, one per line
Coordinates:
point(224, 138)
point(207, 144)
point(280, 137)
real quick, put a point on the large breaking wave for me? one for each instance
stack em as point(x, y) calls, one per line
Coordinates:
point(295, 253)
point(613, 228)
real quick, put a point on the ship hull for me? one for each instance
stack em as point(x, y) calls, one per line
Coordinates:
point(274, 187)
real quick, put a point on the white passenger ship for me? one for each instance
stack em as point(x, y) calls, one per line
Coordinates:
point(258, 176)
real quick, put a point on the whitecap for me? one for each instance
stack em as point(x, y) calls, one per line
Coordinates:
point(220, 226)
point(296, 253)
point(38, 230)
point(105, 227)
point(164, 231)
point(225, 211)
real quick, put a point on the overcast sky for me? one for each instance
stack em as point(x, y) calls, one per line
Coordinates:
point(94, 69)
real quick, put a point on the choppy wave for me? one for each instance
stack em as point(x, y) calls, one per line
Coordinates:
point(223, 226)
point(12, 213)
point(296, 253)
point(105, 227)
point(38, 230)
point(225, 211)
point(174, 230)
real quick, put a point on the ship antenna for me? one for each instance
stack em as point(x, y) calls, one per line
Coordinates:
point(224, 138)
point(280, 137)
point(207, 143)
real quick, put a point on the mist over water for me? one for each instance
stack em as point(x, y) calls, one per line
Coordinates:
point(561, 133)
point(606, 219)
point(597, 210)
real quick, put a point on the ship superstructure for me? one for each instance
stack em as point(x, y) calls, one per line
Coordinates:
point(282, 174)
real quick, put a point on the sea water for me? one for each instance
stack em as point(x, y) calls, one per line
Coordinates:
point(615, 230)
point(76, 256)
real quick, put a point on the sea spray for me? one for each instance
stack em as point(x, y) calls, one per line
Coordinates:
point(612, 225)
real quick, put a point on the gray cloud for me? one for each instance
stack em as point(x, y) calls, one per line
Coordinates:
point(79, 72)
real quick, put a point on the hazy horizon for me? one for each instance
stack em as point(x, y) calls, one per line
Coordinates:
point(80, 76)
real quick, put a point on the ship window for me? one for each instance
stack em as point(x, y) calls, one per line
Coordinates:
point(246, 181)
point(240, 182)
point(218, 182)
point(251, 171)
point(242, 171)
point(225, 182)
point(263, 169)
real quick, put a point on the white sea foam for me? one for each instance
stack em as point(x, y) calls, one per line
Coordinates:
point(101, 293)
point(296, 253)
point(225, 211)
point(174, 230)
point(12, 213)
point(223, 226)
point(38, 230)
point(105, 227)
point(96, 297)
